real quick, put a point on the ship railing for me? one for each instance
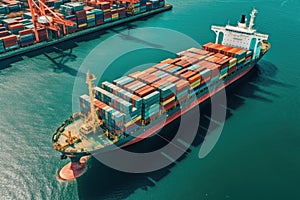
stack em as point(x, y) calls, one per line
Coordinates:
point(262, 35)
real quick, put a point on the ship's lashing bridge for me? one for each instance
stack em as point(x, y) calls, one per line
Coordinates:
point(241, 36)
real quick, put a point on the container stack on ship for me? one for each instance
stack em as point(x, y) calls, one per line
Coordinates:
point(27, 22)
point(133, 107)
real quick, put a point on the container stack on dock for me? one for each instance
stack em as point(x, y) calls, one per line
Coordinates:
point(105, 7)
point(114, 14)
point(98, 16)
point(10, 42)
point(2, 48)
point(83, 14)
point(91, 18)
point(42, 34)
point(26, 37)
point(8, 6)
point(143, 7)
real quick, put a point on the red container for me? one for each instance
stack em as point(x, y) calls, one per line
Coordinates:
point(25, 32)
point(107, 15)
point(144, 91)
point(169, 105)
point(148, 120)
point(198, 51)
point(248, 58)
point(88, 8)
point(187, 74)
point(81, 14)
point(99, 21)
point(130, 84)
point(114, 11)
point(166, 61)
point(104, 5)
point(207, 45)
point(232, 69)
point(15, 26)
point(159, 83)
point(175, 60)
point(151, 78)
point(192, 60)
point(168, 97)
point(181, 85)
point(9, 40)
point(181, 71)
point(219, 55)
point(143, 75)
point(171, 78)
point(151, 70)
point(4, 33)
point(183, 63)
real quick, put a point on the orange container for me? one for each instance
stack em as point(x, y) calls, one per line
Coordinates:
point(194, 78)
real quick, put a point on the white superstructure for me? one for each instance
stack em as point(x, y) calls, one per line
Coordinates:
point(241, 36)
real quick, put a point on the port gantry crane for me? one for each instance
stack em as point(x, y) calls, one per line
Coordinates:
point(45, 17)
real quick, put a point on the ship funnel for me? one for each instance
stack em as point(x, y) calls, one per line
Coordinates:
point(242, 23)
point(243, 19)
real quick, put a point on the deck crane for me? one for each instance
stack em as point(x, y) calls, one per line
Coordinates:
point(45, 17)
point(70, 139)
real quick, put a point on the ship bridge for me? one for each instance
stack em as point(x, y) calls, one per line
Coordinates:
point(241, 36)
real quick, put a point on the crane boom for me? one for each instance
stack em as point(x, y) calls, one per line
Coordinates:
point(50, 20)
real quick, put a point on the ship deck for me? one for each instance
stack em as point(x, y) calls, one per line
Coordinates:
point(84, 143)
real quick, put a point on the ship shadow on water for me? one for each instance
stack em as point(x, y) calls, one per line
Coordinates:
point(102, 182)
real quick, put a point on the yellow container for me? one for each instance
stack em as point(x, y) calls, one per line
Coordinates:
point(241, 60)
point(223, 76)
point(133, 121)
point(82, 25)
point(231, 65)
point(195, 84)
point(107, 10)
point(168, 101)
point(233, 60)
point(92, 16)
point(115, 16)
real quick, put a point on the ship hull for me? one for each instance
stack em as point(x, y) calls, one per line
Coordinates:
point(165, 119)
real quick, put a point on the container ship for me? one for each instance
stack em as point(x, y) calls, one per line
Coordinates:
point(134, 107)
point(28, 25)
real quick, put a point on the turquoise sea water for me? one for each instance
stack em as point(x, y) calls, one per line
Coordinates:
point(256, 157)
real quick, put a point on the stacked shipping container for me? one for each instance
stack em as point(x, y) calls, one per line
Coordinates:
point(143, 96)
point(83, 15)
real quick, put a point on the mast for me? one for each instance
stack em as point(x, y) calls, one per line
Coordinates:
point(251, 24)
point(92, 118)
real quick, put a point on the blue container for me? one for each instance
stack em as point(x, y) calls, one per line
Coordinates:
point(224, 71)
point(2, 49)
point(107, 19)
point(4, 9)
point(163, 66)
point(12, 47)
